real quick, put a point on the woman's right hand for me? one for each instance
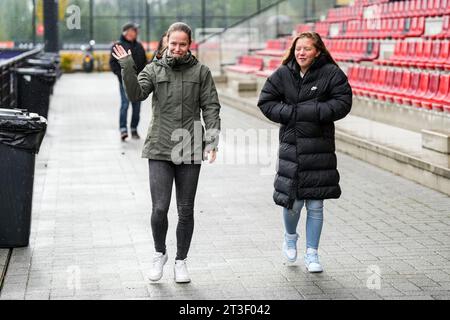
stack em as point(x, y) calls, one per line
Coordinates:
point(120, 53)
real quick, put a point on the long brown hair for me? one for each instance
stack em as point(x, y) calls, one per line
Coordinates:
point(161, 48)
point(317, 42)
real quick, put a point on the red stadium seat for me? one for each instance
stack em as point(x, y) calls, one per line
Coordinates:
point(421, 60)
point(396, 86)
point(422, 90)
point(402, 28)
point(445, 6)
point(398, 26)
point(272, 65)
point(399, 9)
point(434, 8)
point(352, 74)
point(444, 55)
point(388, 28)
point(378, 83)
point(413, 48)
point(371, 87)
point(417, 27)
point(247, 64)
point(274, 47)
point(433, 88)
point(415, 8)
point(384, 10)
point(390, 10)
point(439, 99)
point(447, 63)
point(434, 57)
point(367, 85)
point(424, 7)
point(373, 51)
point(413, 87)
point(403, 91)
point(384, 90)
point(406, 10)
point(442, 98)
point(361, 79)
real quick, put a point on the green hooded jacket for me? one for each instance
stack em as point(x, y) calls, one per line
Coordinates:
point(184, 94)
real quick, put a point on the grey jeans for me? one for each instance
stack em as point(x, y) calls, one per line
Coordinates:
point(162, 174)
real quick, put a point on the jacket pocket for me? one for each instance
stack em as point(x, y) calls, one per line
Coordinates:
point(191, 92)
point(191, 96)
point(163, 91)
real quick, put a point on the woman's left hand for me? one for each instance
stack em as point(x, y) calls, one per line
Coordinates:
point(211, 155)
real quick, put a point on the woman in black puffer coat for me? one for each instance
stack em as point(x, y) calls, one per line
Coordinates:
point(306, 94)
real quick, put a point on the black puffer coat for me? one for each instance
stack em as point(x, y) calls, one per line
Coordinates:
point(306, 108)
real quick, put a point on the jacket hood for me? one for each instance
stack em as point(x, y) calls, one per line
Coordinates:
point(184, 62)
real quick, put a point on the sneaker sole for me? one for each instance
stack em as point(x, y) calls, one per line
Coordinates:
point(312, 270)
point(289, 263)
point(180, 280)
point(288, 260)
point(155, 279)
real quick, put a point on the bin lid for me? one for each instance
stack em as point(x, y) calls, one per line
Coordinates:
point(41, 62)
point(22, 114)
point(10, 111)
point(22, 130)
point(55, 58)
point(36, 72)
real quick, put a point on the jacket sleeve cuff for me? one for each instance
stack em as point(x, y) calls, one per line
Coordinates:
point(127, 63)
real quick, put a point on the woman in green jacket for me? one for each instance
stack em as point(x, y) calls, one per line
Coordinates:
point(183, 94)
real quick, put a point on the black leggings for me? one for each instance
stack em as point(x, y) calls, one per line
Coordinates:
point(162, 174)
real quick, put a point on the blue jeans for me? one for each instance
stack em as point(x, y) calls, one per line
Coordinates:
point(314, 220)
point(124, 103)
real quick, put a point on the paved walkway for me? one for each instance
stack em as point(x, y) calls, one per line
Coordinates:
point(386, 238)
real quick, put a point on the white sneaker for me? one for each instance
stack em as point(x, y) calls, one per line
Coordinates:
point(290, 247)
point(159, 260)
point(312, 261)
point(181, 273)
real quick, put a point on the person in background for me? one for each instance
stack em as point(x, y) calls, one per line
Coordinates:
point(162, 46)
point(128, 40)
point(306, 94)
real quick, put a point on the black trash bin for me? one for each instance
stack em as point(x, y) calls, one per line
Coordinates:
point(54, 58)
point(21, 135)
point(34, 88)
point(45, 63)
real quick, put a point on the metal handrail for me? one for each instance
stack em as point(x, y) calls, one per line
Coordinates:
point(21, 56)
point(270, 6)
